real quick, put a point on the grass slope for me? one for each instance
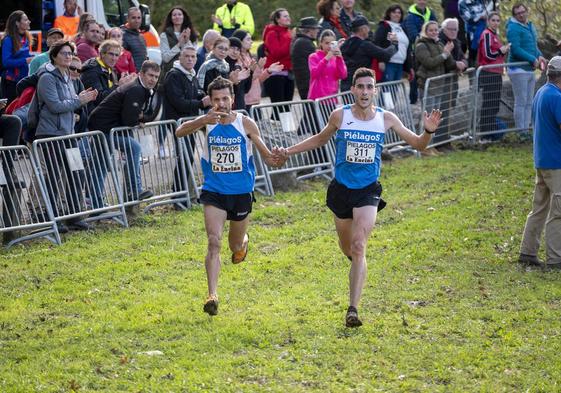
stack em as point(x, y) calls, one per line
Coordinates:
point(446, 308)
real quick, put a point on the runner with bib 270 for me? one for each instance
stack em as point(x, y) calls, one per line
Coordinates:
point(354, 194)
point(229, 178)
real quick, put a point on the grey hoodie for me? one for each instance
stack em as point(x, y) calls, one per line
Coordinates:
point(57, 103)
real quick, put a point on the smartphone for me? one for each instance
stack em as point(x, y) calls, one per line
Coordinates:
point(333, 45)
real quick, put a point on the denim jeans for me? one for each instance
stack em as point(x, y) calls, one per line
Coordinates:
point(133, 185)
point(393, 72)
point(523, 84)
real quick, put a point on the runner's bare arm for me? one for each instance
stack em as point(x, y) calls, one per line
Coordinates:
point(419, 142)
point(191, 126)
point(320, 139)
point(252, 132)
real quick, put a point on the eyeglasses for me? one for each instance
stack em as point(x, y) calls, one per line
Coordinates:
point(75, 69)
point(451, 28)
point(113, 54)
point(520, 12)
point(222, 47)
point(65, 53)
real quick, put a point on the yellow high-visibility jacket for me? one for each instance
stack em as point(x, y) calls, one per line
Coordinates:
point(241, 14)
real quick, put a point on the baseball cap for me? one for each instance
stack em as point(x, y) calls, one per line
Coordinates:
point(554, 64)
point(55, 30)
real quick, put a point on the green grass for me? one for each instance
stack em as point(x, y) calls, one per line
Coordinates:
point(446, 308)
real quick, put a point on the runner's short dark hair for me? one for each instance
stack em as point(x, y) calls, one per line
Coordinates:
point(220, 83)
point(362, 72)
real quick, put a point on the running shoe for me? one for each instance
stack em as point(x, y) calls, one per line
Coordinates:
point(211, 305)
point(239, 256)
point(351, 320)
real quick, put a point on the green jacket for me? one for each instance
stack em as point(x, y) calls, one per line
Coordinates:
point(432, 62)
point(241, 16)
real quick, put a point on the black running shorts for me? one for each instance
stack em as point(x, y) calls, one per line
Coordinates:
point(237, 206)
point(342, 200)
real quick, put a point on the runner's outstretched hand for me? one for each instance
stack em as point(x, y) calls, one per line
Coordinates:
point(432, 121)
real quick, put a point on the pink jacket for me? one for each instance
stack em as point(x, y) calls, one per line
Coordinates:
point(325, 74)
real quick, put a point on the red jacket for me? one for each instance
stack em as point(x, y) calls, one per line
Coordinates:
point(125, 63)
point(277, 45)
point(489, 51)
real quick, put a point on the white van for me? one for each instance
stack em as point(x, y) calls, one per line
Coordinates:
point(110, 13)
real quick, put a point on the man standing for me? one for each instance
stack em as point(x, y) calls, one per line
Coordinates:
point(232, 16)
point(302, 47)
point(99, 72)
point(348, 14)
point(209, 38)
point(229, 178)
point(87, 48)
point(359, 52)
point(354, 194)
point(127, 106)
point(546, 209)
point(133, 40)
point(418, 14)
point(68, 21)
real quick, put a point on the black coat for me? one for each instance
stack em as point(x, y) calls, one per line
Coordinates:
point(97, 77)
point(182, 96)
point(122, 108)
point(359, 53)
point(302, 47)
point(135, 43)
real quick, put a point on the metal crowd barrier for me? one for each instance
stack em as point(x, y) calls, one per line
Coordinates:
point(26, 214)
point(287, 123)
point(453, 94)
point(148, 159)
point(493, 113)
point(73, 170)
point(193, 147)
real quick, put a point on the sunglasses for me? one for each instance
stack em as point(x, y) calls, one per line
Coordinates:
point(75, 69)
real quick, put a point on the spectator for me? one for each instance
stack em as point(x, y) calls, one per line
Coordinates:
point(302, 47)
point(215, 65)
point(417, 15)
point(359, 52)
point(209, 38)
point(546, 208)
point(15, 53)
point(433, 59)
point(177, 32)
point(451, 10)
point(330, 11)
point(133, 41)
point(57, 102)
point(277, 37)
point(10, 128)
point(87, 48)
point(125, 65)
point(241, 88)
point(232, 16)
point(402, 60)
point(474, 13)
point(127, 106)
point(348, 14)
point(523, 39)
point(69, 20)
point(327, 67)
point(85, 18)
point(80, 114)
point(99, 73)
point(491, 51)
point(53, 35)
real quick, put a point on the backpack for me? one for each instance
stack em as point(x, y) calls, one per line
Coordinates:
point(33, 114)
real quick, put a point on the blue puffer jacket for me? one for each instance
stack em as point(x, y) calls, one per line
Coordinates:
point(14, 65)
point(524, 40)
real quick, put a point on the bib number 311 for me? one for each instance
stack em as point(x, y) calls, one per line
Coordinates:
point(360, 152)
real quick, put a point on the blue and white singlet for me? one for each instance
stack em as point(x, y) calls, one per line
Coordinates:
point(227, 160)
point(358, 146)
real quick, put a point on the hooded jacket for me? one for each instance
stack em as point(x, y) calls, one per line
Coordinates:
point(431, 62)
point(358, 52)
point(57, 100)
point(325, 74)
point(97, 75)
point(182, 96)
point(277, 45)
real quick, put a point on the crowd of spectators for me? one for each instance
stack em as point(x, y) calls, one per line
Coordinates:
point(110, 82)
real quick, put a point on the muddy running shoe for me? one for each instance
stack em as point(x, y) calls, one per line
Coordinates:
point(351, 320)
point(239, 256)
point(211, 305)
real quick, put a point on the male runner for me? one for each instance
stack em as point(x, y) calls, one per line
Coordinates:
point(354, 194)
point(229, 177)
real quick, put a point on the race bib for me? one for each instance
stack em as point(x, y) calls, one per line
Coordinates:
point(360, 152)
point(226, 159)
